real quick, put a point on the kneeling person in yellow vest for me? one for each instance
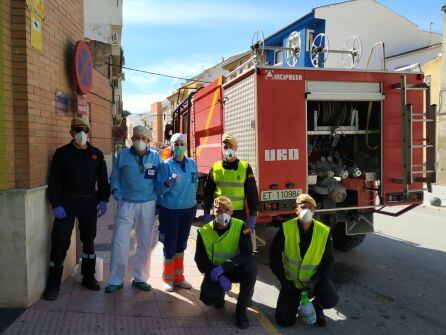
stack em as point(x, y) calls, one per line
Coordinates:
point(302, 257)
point(224, 256)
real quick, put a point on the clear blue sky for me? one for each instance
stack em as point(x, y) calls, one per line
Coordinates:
point(181, 38)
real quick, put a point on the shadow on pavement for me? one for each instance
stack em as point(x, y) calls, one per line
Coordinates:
point(386, 285)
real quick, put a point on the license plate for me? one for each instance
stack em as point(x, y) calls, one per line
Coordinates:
point(290, 194)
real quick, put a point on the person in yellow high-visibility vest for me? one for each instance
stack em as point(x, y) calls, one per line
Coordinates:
point(224, 255)
point(234, 179)
point(302, 257)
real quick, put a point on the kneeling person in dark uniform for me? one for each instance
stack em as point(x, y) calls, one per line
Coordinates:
point(224, 256)
point(77, 188)
point(302, 257)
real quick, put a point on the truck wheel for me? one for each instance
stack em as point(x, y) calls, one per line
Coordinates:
point(344, 242)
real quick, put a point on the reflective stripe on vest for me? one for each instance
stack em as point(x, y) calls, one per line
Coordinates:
point(297, 270)
point(221, 248)
point(231, 183)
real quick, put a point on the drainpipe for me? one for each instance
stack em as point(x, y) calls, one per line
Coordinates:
point(3, 160)
point(441, 121)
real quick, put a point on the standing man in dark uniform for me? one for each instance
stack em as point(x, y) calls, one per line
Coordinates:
point(234, 179)
point(78, 188)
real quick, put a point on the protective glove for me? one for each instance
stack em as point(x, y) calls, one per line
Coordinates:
point(170, 181)
point(116, 194)
point(225, 283)
point(251, 222)
point(207, 217)
point(216, 272)
point(102, 208)
point(59, 212)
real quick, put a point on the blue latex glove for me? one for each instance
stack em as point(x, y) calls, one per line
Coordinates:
point(225, 283)
point(170, 181)
point(251, 222)
point(102, 208)
point(59, 212)
point(207, 217)
point(116, 194)
point(216, 272)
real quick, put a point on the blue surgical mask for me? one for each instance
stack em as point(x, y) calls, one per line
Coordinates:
point(179, 151)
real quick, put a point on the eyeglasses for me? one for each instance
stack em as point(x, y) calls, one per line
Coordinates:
point(179, 144)
point(305, 206)
point(218, 210)
point(78, 129)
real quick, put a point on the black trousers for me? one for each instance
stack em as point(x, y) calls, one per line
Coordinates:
point(289, 300)
point(85, 210)
point(212, 293)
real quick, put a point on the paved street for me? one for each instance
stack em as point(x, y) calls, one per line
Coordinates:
point(393, 283)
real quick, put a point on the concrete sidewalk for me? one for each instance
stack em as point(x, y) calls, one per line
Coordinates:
point(130, 311)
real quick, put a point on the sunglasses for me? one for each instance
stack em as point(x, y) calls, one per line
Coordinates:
point(78, 129)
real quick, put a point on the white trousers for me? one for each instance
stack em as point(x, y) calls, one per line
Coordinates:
point(142, 217)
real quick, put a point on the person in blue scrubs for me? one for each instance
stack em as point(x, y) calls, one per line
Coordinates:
point(177, 182)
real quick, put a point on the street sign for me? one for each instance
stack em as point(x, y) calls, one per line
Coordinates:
point(83, 68)
point(62, 102)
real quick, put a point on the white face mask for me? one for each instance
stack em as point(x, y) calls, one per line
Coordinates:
point(229, 153)
point(140, 145)
point(223, 219)
point(81, 138)
point(305, 215)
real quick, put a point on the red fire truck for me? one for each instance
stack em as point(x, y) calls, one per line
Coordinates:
point(360, 142)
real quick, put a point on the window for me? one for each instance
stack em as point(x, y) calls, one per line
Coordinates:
point(310, 38)
point(278, 57)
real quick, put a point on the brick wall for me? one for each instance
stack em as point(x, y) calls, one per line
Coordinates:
point(100, 113)
point(31, 79)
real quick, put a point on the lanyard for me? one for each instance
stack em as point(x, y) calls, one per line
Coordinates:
point(143, 167)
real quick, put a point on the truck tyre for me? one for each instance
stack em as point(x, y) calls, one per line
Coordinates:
point(344, 242)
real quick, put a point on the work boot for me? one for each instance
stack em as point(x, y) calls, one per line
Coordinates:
point(53, 283)
point(90, 282)
point(321, 319)
point(220, 304)
point(51, 291)
point(241, 318)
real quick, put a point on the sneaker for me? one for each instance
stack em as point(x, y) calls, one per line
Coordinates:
point(220, 304)
point(143, 286)
point(91, 283)
point(113, 288)
point(51, 291)
point(241, 319)
point(321, 319)
point(168, 287)
point(183, 284)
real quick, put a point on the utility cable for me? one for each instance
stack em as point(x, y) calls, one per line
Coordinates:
point(161, 74)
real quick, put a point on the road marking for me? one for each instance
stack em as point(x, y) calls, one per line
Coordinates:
point(264, 321)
